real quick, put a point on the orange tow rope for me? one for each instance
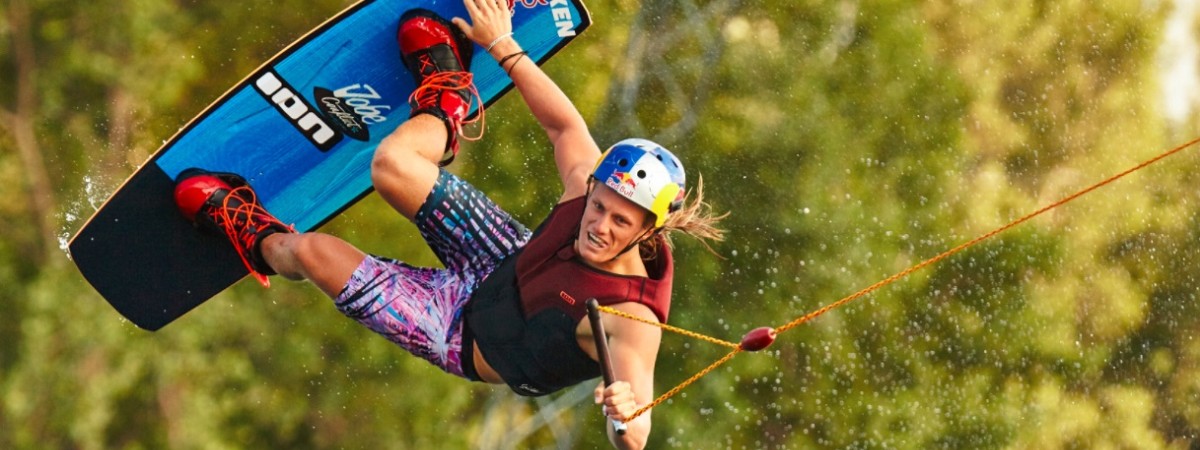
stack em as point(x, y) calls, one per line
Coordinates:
point(758, 339)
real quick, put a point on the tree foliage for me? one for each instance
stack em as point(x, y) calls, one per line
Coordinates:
point(848, 139)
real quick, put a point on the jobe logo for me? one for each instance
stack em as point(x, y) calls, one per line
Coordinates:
point(351, 108)
point(297, 111)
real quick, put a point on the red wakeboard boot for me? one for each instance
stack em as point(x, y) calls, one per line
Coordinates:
point(438, 55)
point(224, 203)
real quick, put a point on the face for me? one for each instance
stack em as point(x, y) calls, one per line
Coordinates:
point(610, 223)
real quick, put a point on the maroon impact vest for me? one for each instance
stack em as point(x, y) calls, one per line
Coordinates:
point(523, 316)
point(550, 275)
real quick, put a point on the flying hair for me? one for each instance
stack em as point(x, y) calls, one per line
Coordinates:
point(695, 219)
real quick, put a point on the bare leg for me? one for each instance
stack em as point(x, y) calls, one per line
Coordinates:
point(405, 168)
point(323, 259)
point(404, 171)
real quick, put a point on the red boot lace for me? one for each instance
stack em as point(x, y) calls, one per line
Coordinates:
point(440, 81)
point(241, 224)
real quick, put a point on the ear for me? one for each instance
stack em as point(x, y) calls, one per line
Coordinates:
point(650, 233)
point(650, 220)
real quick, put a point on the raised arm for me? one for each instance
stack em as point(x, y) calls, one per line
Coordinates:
point(575, 151)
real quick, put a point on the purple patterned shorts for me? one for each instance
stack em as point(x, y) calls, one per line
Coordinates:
point(420, 308)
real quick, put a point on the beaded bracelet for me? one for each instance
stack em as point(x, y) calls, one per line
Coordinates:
point(497, 41)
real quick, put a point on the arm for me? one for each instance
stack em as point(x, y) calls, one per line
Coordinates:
point(575, 151)
point(634, 350)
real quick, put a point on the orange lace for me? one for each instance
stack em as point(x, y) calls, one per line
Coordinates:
point(440, 81)
point(243, 234)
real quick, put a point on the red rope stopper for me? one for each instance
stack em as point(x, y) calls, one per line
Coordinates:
point(758, 339)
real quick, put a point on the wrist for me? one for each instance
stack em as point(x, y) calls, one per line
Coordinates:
point(504, 47)
point(497, 40)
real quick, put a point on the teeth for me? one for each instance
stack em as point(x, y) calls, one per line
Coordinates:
point(595, 240)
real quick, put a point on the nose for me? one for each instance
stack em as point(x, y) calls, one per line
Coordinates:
point(602, 225)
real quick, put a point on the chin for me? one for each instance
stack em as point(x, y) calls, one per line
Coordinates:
point(593, 257)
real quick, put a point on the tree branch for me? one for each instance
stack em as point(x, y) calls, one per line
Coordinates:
point(21, 125)
point(6, 119)
point(686, 79)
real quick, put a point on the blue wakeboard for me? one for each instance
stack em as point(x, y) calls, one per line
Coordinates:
point(302, 130)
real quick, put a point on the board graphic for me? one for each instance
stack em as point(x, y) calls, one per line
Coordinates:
point(302, 130)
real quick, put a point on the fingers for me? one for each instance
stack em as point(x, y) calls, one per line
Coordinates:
point(619, 402)
point(472, 7)
point(486, 5)
point(598, 395)
point(463, 25)
point(490, 19)
point(487, 8)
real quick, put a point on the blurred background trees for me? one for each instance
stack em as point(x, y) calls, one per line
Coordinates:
point(849, 139)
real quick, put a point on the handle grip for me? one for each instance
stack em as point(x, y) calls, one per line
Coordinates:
point(606, 368)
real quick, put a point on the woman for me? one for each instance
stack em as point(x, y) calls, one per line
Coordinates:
point(508, 306)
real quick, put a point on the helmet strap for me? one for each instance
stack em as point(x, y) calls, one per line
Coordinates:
point(648, 234)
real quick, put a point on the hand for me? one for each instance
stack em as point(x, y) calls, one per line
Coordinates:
point(617, 400)
point(490, 20)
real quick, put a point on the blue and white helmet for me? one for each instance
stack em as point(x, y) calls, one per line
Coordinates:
point(645, 173)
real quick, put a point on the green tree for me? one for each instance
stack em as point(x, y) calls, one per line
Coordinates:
point(849, 140)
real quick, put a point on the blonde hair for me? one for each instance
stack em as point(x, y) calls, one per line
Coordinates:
point(695, 218)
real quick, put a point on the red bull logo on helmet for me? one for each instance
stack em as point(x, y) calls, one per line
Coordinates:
point(622, 182)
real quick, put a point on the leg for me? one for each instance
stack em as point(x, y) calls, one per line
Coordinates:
point(420, 309)
point(224, 203)
point(326, 261)
point(404, 167)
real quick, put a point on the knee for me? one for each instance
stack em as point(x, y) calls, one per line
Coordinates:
point(393, 161)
